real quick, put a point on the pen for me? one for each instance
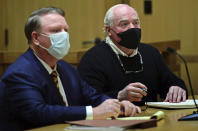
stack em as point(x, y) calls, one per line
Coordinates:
point(144, 90)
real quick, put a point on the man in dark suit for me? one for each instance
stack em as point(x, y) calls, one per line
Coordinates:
point(41, 89)
point(123, 67)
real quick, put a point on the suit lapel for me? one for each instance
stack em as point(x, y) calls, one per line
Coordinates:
point(65, 82)
point(51, 89)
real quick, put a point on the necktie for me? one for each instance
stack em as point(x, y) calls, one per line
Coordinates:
point(55, 79)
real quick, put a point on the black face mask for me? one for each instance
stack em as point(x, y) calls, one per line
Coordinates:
point(130, 38)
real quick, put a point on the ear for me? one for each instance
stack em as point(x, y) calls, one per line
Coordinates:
point(108, 30)
point(35, 36)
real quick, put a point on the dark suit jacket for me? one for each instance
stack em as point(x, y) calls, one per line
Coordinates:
point(6, 121)
point(33, 99)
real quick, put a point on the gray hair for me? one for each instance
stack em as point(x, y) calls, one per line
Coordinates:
point(33, 23)
point(109, 16)
point(108, 19)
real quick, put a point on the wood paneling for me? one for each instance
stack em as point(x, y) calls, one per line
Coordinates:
point(177, 20)
point(2, 24)
point(191, 58)
point(85, 18)
point(170, 20)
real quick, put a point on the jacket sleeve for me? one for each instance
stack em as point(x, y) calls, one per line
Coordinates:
point(27, 102)
point(89, 95)
point(167, 77)
point(92, 96)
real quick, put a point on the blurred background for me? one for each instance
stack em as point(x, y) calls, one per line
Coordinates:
point(161, 21)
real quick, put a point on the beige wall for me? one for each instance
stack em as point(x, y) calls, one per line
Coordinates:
point(170, 20)
point(2, 21)
point(83, 16)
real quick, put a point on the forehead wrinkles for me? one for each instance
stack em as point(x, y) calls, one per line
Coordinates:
point(52, 20)
point(124, 13)
point(130, 19)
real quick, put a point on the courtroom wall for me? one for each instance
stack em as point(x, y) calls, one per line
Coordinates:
point(173, 19)
point(83, 16)
point(170, 20)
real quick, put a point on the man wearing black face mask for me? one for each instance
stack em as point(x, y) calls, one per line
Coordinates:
point(124, 68)
point(127, 40)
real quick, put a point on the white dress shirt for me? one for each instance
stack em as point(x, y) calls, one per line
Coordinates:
point(117, 50)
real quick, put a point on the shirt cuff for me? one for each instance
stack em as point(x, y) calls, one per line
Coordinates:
point(89, 111)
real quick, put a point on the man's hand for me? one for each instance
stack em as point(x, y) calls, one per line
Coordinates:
point(175, 94)
point(108, 109)
point(132, 92)
point(129, 109)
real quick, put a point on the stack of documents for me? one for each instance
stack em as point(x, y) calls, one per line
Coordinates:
point(182, 105)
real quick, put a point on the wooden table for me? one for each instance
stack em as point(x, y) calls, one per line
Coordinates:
point(170, 122)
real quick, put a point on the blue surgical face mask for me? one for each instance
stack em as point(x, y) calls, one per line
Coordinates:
point(59, 44)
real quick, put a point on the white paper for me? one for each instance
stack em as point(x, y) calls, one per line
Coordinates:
point(185, 105)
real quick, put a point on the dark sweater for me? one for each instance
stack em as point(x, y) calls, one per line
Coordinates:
point(101, 69)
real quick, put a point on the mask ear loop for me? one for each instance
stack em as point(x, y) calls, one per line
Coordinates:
point(116, 36)
point(113, 31)
point(42, 34)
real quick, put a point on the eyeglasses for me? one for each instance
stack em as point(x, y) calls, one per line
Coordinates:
point(128, 72)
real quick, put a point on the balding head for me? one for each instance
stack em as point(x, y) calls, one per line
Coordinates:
point(114, 12)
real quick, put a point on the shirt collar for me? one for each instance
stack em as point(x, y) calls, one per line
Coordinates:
point(117, 50)
point(46, 66)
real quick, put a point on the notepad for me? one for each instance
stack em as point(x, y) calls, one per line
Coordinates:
point(158, 115)
point(182, 105)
